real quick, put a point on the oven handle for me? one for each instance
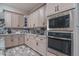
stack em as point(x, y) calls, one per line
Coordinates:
point(59, 38)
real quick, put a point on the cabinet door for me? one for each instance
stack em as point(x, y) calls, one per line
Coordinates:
point(15, 40)
point(36, 18)
point(50, 8)
point(66, 6)
point(8, 17)
point(34, 43)
point(21, 39)
point(29, 21)
point(42, 17)
point(42, 45)
point(21, 21)
point(15, 20)
point(27, 39)
point(8, 42)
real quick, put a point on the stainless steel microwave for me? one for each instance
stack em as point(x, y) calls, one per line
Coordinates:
point(61, 21)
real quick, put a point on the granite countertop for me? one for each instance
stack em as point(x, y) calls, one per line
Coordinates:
point(11, 34)
point(20, 34)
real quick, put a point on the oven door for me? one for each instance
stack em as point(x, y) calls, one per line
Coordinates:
point(60, 45)
point(61, 21)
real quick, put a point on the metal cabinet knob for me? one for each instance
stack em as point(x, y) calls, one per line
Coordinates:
point(41, 39)
point(12, 40)
point(37, 43)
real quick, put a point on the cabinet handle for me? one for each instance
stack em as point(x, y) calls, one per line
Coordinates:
point(43, 23)
point(12, 40)
point(41, 39)
point(37, 43)
point(57, 8)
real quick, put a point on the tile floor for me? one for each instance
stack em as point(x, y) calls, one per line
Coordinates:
point(21, 51)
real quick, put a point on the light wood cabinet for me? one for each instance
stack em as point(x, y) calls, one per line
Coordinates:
point(42, 17)
point(21, 21)
point(27, 39)
point(8, 17)
point(66, 6)
point(13, 20)
point(52, 8)
point(8, 41)
point(15, 40)
point(21, 39)
point(42, 45)
point(37, 42)
point(37, 18)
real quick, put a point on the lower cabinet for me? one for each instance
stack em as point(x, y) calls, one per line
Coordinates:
point(37, 43)
point(15, 40)
point(21, 39)
point(42, 45)
point(8, 41)
point(27, 40)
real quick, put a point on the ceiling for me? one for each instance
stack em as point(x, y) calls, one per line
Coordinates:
point(24, 7)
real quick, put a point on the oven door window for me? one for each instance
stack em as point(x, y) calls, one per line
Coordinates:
point(63, 46)
point(59, 22)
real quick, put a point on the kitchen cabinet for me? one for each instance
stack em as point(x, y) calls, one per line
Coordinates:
point(21, 21)
point(52, 8)
point(8, 17)
point(42, 19)
point(42, 45)
point(37, 18)
point(27, 39)
point(66, 6)
point(34, 42)
point(37, 43)
point(13, 20)
point(30, 21)
point(8, 41)
point(21, 39)
point(15, 40)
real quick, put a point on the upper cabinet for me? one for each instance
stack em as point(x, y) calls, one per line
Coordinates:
point(52, 8)
point(37, 18)
point(42, 19)
point(13, 20)
point(8, 17)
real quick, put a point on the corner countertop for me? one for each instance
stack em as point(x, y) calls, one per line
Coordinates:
point(11, 34)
